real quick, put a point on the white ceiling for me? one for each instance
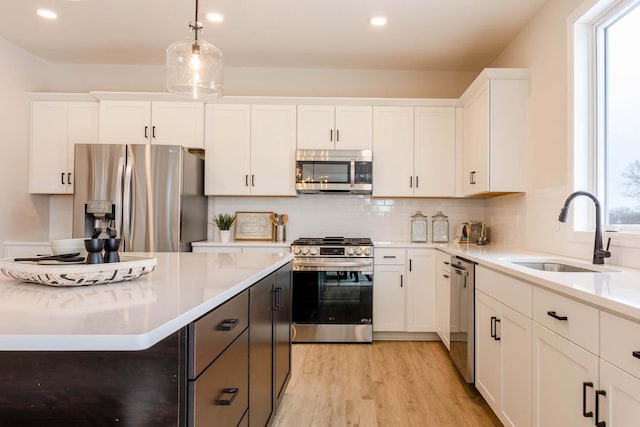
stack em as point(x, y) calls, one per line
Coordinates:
point(460, 35)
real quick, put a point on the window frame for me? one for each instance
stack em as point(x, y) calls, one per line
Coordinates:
point(587, 105)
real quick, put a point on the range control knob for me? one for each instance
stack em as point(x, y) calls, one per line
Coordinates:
point(359, 251)
point(350, 251)
point(313, 251)
point(296, 250)
point(305, 251)
point(367, 251)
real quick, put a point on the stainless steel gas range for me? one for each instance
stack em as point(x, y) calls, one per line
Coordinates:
point(332, 289)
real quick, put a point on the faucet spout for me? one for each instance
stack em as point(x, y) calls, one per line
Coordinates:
point(599, 254)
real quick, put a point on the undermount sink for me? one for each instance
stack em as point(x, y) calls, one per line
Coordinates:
point(556, 267)
point(560, 266)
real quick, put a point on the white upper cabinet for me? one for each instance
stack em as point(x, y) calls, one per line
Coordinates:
point(55, 127)
point(435, 152)
point(273, 150)
point(227, 149)
point(393, 140)
point(157, 122)
point(495, 133)
point(414, 151)
point(326, 127)
point(250, 150)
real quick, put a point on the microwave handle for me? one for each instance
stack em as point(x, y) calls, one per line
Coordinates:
point(353, 173)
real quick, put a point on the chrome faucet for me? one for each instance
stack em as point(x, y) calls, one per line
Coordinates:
point(599, 254)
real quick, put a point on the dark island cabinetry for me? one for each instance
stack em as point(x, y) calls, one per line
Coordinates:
point(201, 375)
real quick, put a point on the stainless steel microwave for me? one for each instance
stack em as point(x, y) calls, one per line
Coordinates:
point(334, 171)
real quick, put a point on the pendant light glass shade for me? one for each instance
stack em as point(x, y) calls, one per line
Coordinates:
point(194, 68)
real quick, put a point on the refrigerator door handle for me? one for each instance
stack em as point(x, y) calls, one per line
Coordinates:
point(126, 204)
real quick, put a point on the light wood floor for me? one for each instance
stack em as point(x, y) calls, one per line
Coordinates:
point(384, 384)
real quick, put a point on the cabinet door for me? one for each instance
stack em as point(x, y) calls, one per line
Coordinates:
point(476, 143)
point(488, 349)
point(393, 143)
point(621, 405)
point(435, 152)
point(178, 123)
point(388, 298)
point(421, 291)
point(514, 331)
point(227, 150)
point(273, 150)
point(443, 295)
point(354, 128)
point(316, 127)
point(282, 331)
point(261, 352)
point(125, 122)
point(83, 128)
point(560, 368)
point(48, 163)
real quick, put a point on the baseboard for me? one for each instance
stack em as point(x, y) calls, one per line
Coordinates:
point(405, 336)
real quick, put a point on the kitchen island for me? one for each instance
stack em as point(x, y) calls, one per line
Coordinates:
point(129, 353)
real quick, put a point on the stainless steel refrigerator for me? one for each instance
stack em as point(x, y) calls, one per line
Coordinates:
point(152, 195)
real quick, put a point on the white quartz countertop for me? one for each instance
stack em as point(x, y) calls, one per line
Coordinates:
point(615, 289)
point(285, 244)
point(130, 315)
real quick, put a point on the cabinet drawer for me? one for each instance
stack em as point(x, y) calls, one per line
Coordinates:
point(581, 325)
point(220, 396)
point(506, 289)
point(212, 333)
point(619, 339)
point(389, 256)
point(443, 260)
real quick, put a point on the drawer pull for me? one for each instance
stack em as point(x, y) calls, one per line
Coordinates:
point(584, 399)
point(598, 394)
point(226, 402)
point(555, 316)
point(493, 327)
point(636, 354)
point(446, 276)
point(389, 257)
point(228, 324)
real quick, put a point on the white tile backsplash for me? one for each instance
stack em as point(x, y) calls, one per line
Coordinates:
point(318, 215)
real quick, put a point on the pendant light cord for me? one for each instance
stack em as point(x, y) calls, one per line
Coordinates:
point(195, 23)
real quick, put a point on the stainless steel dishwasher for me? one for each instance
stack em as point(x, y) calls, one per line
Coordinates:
point(462, 317)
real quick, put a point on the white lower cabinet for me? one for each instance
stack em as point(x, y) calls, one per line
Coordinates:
point(388, 298)
point(620, 406)
point(443, 297)
point(235, 248)
point(565, 379)
point(421, 291)
point(404, 295)
point(503, 360)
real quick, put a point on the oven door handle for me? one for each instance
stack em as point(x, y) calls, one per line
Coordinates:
point(333, 266)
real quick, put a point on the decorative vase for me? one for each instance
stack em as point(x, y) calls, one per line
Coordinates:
point(224, 235)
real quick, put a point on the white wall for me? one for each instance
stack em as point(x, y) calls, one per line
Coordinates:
point(271, 81)
point(22, 216)
point(542, 46)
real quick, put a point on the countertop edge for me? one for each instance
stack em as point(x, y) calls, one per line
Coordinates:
point(133, 342)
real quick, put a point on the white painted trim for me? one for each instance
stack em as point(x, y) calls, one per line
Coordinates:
point(582, 117)
point(61, 96)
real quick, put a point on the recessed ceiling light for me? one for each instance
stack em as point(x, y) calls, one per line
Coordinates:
point(378, 21)
point(215, 17)
point(47, 14)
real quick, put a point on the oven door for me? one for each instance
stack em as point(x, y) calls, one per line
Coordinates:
point(332, 299)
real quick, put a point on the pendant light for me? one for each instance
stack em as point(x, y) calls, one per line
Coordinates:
point(194, 67)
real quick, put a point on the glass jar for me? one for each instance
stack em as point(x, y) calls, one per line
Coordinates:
point(440, 228)
point(419, 228)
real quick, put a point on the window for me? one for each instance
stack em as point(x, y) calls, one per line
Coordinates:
point(615, 139)
point(618, 114)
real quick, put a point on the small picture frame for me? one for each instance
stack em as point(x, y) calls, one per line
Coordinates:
point(253, 226)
